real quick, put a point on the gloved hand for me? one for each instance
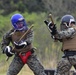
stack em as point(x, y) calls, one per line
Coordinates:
point(52, 27)
point(20, 45)
point(8, 51)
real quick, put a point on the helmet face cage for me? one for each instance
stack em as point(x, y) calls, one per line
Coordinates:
point(18, 22)
point(66, 21)
point(72, 21)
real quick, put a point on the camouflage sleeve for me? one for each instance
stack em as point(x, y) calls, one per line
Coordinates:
point(66, 33)
point(30, 37)
point(5, 40)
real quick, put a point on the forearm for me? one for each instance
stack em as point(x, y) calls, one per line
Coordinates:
point(4, 43)
point(65, 34)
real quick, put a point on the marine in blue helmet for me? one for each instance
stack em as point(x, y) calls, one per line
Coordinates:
point(23, 50)
point(18, 22)
point(67, 36)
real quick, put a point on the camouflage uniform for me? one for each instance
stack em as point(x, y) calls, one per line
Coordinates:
point(69, 58)
point(67, 36)
point(16, 64)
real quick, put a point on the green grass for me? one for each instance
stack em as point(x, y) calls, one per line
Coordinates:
point(48, 64)
point(25, 70)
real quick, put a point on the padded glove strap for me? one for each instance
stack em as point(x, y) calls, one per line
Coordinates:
point(8, 51)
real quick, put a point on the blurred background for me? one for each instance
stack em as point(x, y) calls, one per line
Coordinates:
point(35, 12)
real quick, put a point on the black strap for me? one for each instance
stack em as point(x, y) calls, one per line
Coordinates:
point(69, 53)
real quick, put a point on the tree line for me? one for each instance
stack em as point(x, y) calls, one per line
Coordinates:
point(56, 7)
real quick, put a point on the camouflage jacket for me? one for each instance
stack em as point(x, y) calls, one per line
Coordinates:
point(7, 38)
point(67, 33)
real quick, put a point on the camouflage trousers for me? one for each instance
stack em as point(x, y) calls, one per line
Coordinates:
point(65, 65)
point(33, 63)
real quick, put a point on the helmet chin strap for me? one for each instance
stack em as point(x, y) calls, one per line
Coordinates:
point(22, 29)
point(67, 25)
point(71, 20)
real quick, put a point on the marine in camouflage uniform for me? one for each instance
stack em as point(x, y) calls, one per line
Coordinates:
point(13, 36)
point(67, 35)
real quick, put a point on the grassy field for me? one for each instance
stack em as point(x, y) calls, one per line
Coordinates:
point(25, 70)
point(48, 64)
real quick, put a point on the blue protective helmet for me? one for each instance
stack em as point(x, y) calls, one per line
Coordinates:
point(18, 18)
point(66, 20)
